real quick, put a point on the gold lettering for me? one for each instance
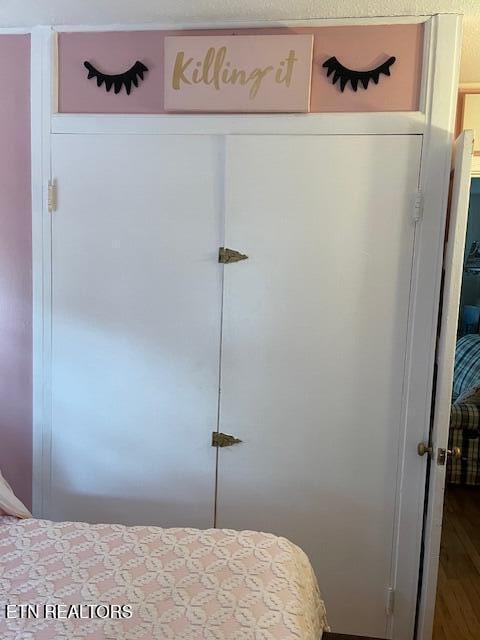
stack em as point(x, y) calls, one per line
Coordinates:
point(237, 75)
point(287, 77)
point(207, 63)
point(257, 76)
point(217, 67)
point(179, 70)
point(196, 77)
point(278, 74)
point(215, 70)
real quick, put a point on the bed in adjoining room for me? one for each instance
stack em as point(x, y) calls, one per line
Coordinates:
point(68, 580)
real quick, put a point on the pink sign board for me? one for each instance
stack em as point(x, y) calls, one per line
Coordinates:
point(248, 73)
point(359, 47)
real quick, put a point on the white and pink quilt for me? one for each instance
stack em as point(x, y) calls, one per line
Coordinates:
point(104, 581)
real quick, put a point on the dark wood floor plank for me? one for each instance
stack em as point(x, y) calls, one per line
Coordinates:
point(457, 611)
point(339, 636)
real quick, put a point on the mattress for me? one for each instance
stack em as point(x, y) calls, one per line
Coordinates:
point(73, 580)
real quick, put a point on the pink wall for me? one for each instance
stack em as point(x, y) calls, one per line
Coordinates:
point(15, 266)
point(357, 47)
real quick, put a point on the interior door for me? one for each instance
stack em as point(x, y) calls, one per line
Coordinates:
point(453, 269)
point(313, 354)
point(135, 328)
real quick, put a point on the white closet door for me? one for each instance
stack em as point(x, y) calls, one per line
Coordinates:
point(313, 357)
point(136, 325)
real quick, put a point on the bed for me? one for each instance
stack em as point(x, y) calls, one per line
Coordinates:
point(68, 580)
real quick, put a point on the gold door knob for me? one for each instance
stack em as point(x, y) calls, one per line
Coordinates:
point(423, 448)
point(455, 452)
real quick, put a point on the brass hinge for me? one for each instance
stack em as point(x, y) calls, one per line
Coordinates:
point(52, 196)
point(223, 439)
point(226, 255)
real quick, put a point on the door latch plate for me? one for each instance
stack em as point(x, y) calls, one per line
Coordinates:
point(454, 452)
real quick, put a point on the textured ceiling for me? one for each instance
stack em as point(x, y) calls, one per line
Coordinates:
point(78, 12)
point(20, 13)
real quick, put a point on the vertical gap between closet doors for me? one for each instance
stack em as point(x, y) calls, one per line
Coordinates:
point(223, 208)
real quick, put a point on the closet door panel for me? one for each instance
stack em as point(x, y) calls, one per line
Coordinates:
point(314, 346)
point(135, 328)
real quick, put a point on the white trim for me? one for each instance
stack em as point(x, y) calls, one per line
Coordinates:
point(6, 31)
point(247, 24)
point(425, 83)
point(308, 124)
point(409, 523)
point(41, 264)
point(441, 107)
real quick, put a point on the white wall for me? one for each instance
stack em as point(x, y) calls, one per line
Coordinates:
point(470, 65)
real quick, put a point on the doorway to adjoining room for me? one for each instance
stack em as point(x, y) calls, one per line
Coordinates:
point(457, 615)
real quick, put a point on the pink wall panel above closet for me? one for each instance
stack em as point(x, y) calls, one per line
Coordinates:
point(15, 266)
point(357, 47)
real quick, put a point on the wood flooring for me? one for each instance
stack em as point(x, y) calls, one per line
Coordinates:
point(457, 611)
point(339, 636)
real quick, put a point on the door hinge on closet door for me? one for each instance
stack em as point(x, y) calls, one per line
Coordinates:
point(226, 255)
point(418, 206)
point(390, 604)
point(223, 439)
point(52, 196)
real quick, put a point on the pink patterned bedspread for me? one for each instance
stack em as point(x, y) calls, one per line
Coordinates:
point(177, 583)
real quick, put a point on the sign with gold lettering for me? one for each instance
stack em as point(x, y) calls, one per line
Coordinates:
point(248, 73)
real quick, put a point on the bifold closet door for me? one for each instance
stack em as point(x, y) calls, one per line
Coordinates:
point(135, 328)
point(313, 355)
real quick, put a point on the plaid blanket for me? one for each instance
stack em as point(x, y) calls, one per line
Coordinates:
point(465, 416)
point(464, 433)
point(467, 365)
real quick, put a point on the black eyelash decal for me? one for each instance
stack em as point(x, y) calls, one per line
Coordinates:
point(354, 77)
point(119, 80)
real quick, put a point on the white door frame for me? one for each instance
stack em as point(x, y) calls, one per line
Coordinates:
point(441, 108)
point(42, 63)
point(434, 121)
point(445, 361)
